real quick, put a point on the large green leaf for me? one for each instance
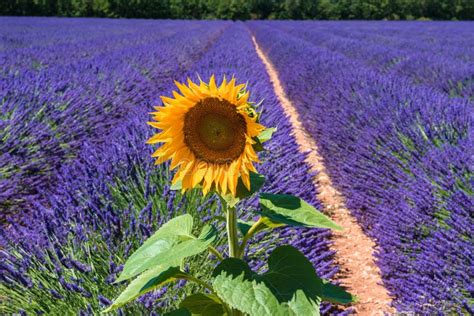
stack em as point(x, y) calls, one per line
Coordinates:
point(178, 251)
point(336, 294)
point(300, 304)
point(208, 232)
point(147, 281)
point(293, 211)
point(289, 273)
point(234, 267)
point(167, 247)
point(179, 226)
point(247, 296)
point(244, 226)
point(255, 298)
point(179, 312)
point(203, 304)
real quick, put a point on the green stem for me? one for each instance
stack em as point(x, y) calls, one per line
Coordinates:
point(249, 235)
point(232, 237)
point(198, 281)
point(233, 240)
point(215, 252)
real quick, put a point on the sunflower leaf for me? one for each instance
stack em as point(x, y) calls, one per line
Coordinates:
point(288, 271)
point(179, 312)
point(146, 282)
point(300, 304)
point(289, 287)
point(293, 211)
point(336, 294)
point(244, 227)
point(203, 304)
point(160, 242)
point(167, 246)
point(209, 231)
point(247, 296)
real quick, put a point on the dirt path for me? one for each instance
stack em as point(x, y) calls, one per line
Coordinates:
point(354, 250)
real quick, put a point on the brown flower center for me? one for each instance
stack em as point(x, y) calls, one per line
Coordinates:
point(215, 131)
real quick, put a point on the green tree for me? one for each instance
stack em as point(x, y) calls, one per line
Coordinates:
point(246, 9)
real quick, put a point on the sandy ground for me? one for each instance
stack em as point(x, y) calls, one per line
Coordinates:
point(354, 250)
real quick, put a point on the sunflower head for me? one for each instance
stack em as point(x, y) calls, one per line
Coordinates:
point(208, 132)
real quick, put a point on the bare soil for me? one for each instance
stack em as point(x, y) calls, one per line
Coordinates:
point(354, 250)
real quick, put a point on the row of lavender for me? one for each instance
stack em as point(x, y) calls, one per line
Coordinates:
point(401, 153)
point(433, 57)
point(69, 131)
point(74, 162)
point(55, 95)
point(434, 38)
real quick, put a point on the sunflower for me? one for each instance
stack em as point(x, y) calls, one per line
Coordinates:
point(208, 133)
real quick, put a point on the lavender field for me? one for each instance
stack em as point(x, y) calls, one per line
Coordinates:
point(390, 105)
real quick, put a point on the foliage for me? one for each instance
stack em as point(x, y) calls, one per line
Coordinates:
point(246, 9)
point(290, 286)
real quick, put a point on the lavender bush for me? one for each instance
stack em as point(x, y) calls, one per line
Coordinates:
point(427, 53)
point(401, 152)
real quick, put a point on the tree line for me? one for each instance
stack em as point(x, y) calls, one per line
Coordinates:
point(246, 9)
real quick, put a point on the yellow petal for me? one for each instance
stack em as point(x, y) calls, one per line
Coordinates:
point(222, 87)
point(186, 91)
point(198, 173)
point(212, 86)
point(243, 99)
point(208, 179)
point(246, 180)
point(223, 179)
point(182, 155)
point(234, 176)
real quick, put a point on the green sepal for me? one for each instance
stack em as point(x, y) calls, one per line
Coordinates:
point(257, 146)
point(178, 186)
point(266, 134)
point(293, 211)
point(203, 304)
